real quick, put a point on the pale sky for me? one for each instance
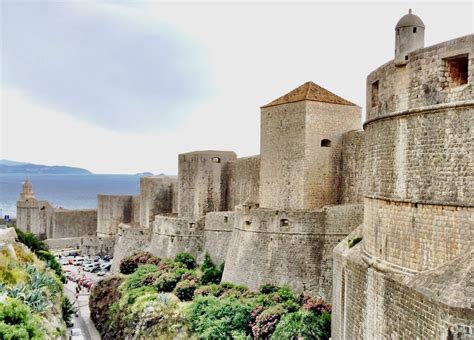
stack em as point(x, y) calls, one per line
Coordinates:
point(124, 87)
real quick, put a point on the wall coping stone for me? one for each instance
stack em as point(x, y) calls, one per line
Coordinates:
point(422, 110)
point(423, 202)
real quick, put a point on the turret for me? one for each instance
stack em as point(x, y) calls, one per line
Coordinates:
point(409, 37)
point(27, 193)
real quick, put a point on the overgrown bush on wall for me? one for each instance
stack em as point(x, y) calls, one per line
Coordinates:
point(129, 264)
point(178, 298)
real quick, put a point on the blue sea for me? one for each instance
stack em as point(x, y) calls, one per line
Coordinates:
point(67, 191)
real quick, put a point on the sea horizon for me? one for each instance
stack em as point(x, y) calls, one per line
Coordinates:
point(68, 191)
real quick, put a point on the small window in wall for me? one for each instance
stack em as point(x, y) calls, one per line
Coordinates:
point(226, 219)
point(375, 93)
point(457, 71)
point(192, 225)
point(247, 223)
point(414, 29)
point(325, 143)
point(216, 159)
point(284, 222)
point(406, 57)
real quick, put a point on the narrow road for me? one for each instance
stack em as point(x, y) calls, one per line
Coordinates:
point(83, 321)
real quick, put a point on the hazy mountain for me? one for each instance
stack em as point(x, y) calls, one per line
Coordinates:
point(144, 174)
point(13, 167)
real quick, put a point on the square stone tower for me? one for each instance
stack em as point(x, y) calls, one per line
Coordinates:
point(301, 139)
point(201, 185)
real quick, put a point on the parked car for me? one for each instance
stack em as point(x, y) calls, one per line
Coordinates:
point(89, 284)
point(106, 266)
point(88, 267)
point(96, 269)
point(76, 334)
point(102, 272)
point(85, 282)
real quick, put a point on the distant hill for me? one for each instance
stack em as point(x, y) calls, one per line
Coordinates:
point(13, 167)
point(144, 174)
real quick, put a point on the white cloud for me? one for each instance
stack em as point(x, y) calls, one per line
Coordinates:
point(258, 51)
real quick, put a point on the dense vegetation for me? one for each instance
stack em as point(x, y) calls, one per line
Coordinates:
point(32, 305)
point(155, 298)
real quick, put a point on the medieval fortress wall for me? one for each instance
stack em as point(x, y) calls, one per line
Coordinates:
point(411, 275)
point(402, 187)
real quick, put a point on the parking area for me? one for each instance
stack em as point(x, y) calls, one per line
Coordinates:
point(82, 273)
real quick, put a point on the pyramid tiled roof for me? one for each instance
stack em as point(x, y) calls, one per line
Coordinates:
point(309, 91)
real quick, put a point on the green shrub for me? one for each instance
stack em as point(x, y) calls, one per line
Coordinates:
point(211, 275)
point(131, 295)
point(184, 290)
point(283, 296)
point(304, 325)
point(68, 311)
point(210, 272)
point(103, 298)
point(315, 305)
point(212, 318)
point(166, 282)
point(207, 263)
point(16, 322)
point(135, 280)
point(129, 264)
point(268, 288)
point(52, 263)
point(228, 289)
point(30, 240)
point(186, 259)
point(266, 320)
point(209, 290)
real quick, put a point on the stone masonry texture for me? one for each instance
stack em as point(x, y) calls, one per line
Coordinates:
point(411, 275)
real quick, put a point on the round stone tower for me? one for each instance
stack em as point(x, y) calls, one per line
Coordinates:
point(409, 36)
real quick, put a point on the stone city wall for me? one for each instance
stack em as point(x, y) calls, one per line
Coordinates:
point(92, 245)
point(201, 184)
point(156, 197)
point(217, 234)
point(35, 217)
point(172, 235)
point(135, 219)
point(129, 240)
point(243, 181)
point(63, 243)
point(287, 247)
point(422, 156)
point(322, 165)
point(74, 223)
point(417, 236)
point(373, 304)
point(282, 148)
point(352, 167)
point(111, 211)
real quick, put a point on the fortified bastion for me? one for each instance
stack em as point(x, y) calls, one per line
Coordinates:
point(273, 218)
point(411, 275)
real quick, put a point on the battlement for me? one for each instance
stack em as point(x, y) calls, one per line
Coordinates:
point(440, 74)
